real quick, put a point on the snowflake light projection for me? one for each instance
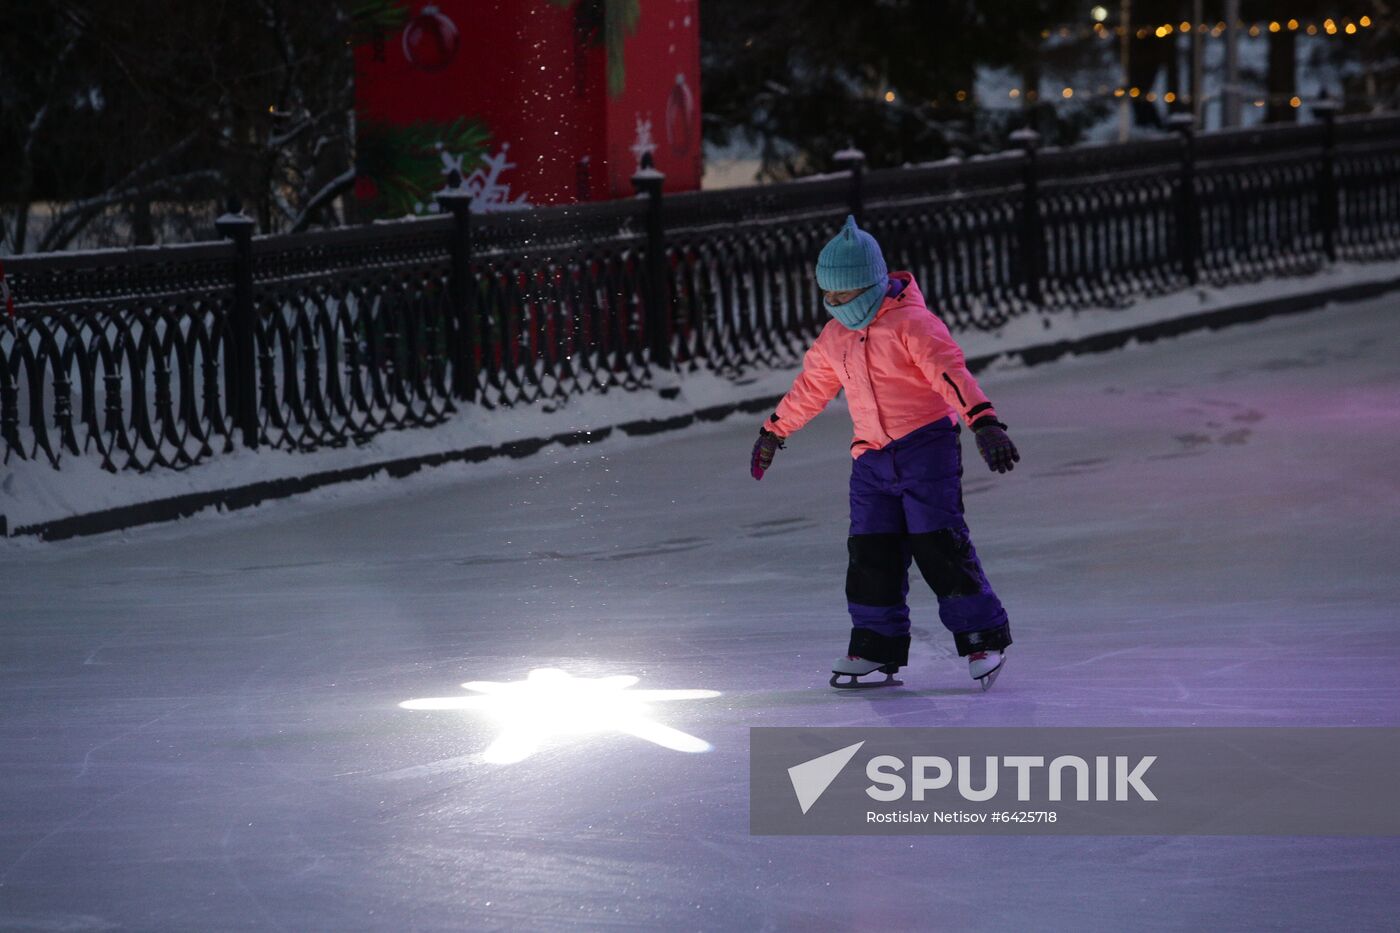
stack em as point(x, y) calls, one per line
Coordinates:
point(551, 702)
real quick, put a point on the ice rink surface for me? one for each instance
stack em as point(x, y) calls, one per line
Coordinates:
point(200, 726)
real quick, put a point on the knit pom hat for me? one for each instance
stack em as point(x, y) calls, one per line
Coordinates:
point(852, 259)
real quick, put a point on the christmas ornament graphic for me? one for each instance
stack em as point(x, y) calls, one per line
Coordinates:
point(680, 116)
point(430, 40)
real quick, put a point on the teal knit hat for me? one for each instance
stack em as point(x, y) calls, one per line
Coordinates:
point(852, 259)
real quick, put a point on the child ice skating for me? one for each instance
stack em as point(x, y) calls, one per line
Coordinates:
point(907, 385)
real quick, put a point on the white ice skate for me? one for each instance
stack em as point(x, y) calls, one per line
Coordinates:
point(985, 666)
point(855, 668)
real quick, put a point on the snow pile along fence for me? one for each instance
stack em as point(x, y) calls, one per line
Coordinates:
point(166, 357)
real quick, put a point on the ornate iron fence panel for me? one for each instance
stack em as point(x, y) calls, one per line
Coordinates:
point(962, 249)
point(165, 357)
point(1259, 219)
point(1107, 238)
point(1368, 188)
point(342, 358)
point(132, 375)
point(553, 324)
point(744, 294)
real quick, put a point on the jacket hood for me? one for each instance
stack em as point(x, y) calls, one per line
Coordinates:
point(910, 293)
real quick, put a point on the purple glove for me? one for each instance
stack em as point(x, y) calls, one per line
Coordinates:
point(995, 447)
point(767, 444)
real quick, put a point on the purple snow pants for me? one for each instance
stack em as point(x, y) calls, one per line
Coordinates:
point(906, 503)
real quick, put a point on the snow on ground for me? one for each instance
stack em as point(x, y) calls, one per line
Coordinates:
point(200, 725)
point(33, 492)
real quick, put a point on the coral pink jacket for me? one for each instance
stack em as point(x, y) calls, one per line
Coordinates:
point(900, 372)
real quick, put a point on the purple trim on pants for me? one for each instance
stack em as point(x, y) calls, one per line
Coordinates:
point(913, 486)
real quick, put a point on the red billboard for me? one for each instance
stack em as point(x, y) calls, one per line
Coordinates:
point(535, 101)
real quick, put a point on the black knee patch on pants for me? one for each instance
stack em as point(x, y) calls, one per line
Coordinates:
point(877, 571)
point(945, 559)
point(992, 639)
point(887, 649)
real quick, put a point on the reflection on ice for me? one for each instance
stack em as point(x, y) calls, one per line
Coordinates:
point(551, 702)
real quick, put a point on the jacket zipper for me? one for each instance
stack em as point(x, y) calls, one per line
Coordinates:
point(869, 381)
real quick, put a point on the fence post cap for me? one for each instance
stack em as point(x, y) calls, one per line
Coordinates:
point(454, 199)
point(647, 179)
point(1025, 137)
point(1182, 121)
point(849, 154)
point(1325, 106)
point(233, 223)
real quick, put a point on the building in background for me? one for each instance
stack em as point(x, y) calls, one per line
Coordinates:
point(532, 102)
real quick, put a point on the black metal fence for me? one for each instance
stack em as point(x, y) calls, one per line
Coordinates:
point(163, 357)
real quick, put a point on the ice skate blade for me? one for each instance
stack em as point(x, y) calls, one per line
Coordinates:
point(854, 684)
point(986, 680)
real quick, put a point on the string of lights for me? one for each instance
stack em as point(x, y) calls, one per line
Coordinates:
point(1098, 29)
point(1104, 91)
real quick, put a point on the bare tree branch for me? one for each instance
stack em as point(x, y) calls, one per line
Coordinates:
point(78, 215)
point(332, 189)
